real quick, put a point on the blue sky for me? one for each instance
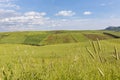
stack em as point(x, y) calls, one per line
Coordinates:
point(19, 15)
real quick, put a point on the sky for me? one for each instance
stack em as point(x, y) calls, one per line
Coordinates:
point(25, 15)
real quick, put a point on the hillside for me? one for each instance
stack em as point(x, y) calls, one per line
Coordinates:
point(113, 28)
point(66, 55)
point(39, 38)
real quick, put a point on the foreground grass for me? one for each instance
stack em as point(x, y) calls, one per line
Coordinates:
point(61, 62)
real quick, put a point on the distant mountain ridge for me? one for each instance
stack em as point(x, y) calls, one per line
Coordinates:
point(113, 28)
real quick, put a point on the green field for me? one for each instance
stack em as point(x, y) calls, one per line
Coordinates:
point(52, 37)
point(59, 55)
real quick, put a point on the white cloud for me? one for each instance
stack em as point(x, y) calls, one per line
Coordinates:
point(25, 20)
point(35, 21)
point(8, 13)
point(10, 20)
point(106, 4)
point(65, 13)
point(8, 4)
point(19, 21)
point(5, 0)
point(32, 13)
point(87, 13)
point(83, 24)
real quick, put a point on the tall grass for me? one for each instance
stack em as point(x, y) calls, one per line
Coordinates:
point(77, 63)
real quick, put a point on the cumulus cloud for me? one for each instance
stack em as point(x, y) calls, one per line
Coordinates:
point(19, 21)
point(65, 13)
point(23, 17)
point(39, 21)
point(87, 13)
point(11, 20)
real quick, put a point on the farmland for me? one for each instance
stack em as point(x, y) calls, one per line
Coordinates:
point(59, 55)
point(52, 37)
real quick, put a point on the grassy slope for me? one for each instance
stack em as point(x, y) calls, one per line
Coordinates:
point(22, 37)
point(51, 37)
point(114, 33)
point(59, 61)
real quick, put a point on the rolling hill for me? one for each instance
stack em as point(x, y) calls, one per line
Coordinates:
point(39, 38)
point(66, 55)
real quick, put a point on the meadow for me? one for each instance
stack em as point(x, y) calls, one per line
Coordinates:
point(60, 55)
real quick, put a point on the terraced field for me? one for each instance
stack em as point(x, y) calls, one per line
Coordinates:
point(97, 36)
point(52, 37)
point(23, 37)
